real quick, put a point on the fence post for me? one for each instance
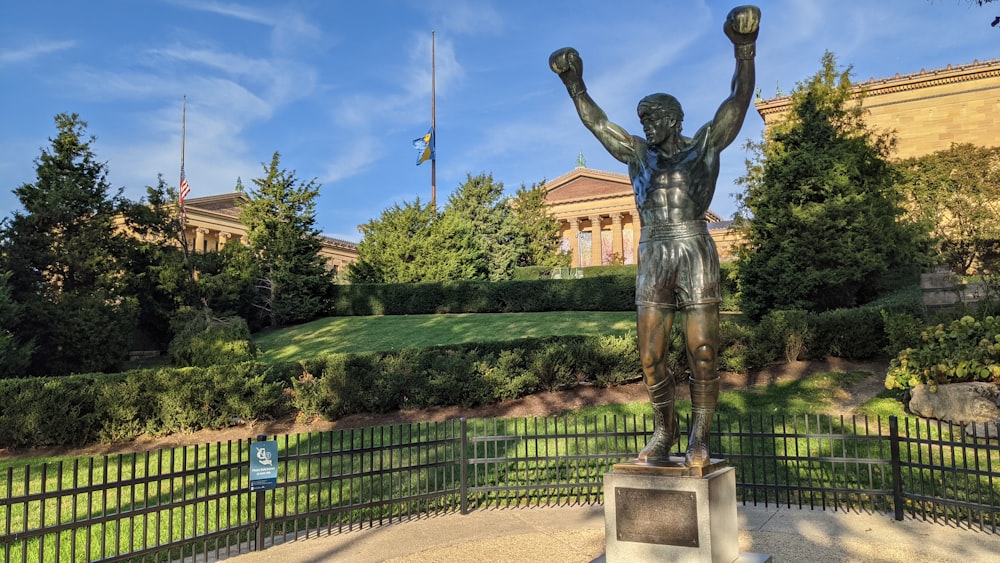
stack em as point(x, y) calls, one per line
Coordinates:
point(897, 467)
point(463, 448)
point(259, 500)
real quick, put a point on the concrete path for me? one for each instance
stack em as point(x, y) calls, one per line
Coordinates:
point(575, 534)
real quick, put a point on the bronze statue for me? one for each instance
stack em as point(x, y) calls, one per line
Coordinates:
point(673, 178)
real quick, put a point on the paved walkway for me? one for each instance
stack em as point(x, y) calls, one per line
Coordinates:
point(575, 534)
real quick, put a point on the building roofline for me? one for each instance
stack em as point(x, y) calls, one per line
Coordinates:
point(975, 70)
point(581, 171)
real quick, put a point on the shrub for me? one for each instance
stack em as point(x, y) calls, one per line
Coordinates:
point(613, 360)
point(964, 350)
point(733, 339)
point(778, 335)
point(204, 341)
point(902, 331)
point(508, 377)
point(49, 411)
point(613, 291)
point(847, 333)
point(167, 400)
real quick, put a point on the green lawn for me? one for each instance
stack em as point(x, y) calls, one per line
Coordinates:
point(378, 334)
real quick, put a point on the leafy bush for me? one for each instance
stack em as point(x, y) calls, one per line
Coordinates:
point(596, 293)
point(964, 350)
point(778, 335)
point(847, 333)
point(902, 330)
point(167, 400)
point(49, 411)
point(733, 339)
point(204, 341)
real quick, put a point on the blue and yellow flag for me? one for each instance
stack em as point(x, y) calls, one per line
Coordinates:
point(425, 145)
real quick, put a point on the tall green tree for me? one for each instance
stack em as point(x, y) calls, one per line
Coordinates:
point(480, 204)
point(294, 284)
point(411, 243)
point(819, 214)
point(956, 194)
point(161, 276)
point(64, 252)
point(15, 354)
point(481, 234)
point(538, 229)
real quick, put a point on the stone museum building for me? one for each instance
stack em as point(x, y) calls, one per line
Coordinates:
point(213, 222)
point(928, 110)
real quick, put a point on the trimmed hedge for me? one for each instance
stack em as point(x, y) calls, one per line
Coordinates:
point(469, 374)
point(600, 293)
point(81, 409)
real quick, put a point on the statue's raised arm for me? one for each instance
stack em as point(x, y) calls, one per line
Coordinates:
point(566, 62)
point(741, 26)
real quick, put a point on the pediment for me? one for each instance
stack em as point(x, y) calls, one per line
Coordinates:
point(586, 184)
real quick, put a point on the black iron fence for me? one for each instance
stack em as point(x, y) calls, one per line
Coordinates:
point(195, 503)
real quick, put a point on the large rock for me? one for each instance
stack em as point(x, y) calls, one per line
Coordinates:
point(957, 402)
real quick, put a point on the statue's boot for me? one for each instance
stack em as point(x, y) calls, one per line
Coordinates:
point(666, 429)
point(704, 396)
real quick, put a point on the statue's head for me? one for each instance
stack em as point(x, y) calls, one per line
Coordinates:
point(661, 117)
point(658, 106)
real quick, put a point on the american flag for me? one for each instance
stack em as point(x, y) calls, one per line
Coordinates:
point(185, 188)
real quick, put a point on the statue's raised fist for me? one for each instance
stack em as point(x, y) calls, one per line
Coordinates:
point(566, 62)
point(742, 24)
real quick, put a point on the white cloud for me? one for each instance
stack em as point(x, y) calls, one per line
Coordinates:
point(351, 159)
point(28, 53)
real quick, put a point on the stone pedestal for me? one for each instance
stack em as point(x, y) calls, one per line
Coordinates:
point(671, 513)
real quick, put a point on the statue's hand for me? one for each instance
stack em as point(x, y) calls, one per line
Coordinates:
point(566, 62)
point(742, 24)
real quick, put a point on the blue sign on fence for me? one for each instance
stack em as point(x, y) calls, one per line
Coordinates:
point(263, 465)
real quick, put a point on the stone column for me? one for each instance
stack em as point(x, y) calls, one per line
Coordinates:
point(199, 239)
point(595, 240)
point(616, 236)
point(223, 239)
point(574, 242)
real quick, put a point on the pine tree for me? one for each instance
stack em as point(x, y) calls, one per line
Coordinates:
point(820, 214)
point(411, 243)
point(294, 285)
point(538, 229)
point(64, 252)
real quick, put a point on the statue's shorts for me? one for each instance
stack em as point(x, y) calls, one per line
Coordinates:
point(678, 266)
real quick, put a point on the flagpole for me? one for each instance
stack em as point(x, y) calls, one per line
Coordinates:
point(180, 193)
point(433, 128)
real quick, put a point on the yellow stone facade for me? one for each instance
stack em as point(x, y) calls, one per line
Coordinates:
point(213, 222)
point(928, 110)
point(599, 222)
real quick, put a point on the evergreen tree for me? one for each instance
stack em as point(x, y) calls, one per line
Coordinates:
point(413, 243)
point(293, 285)
point(480, 205)
point(538, 229)
point(820, 215)
point(161, 279)
point(64, 252)
point(15, 354)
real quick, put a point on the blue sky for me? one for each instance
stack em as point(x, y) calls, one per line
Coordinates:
point(341, 88)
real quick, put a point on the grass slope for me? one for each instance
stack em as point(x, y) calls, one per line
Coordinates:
point(394, 332)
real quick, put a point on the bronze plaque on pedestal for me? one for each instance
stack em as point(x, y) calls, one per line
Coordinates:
point(656, 516)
